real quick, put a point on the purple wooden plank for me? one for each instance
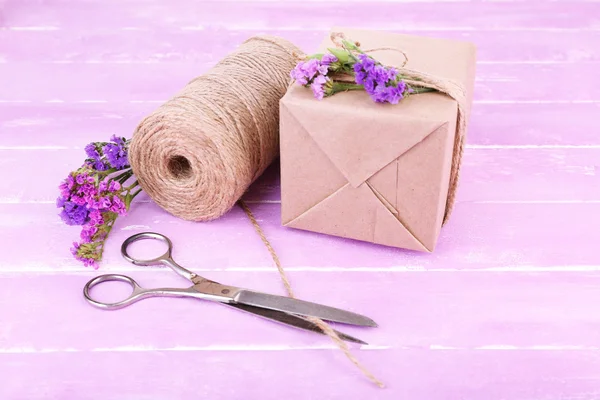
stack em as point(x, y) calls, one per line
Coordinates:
point(158, 82)
point(295, 375)
point(76, 124)
point(175, 45)
point(488, 175)
point(294, 15)
point(479, 236)
point(449, 310)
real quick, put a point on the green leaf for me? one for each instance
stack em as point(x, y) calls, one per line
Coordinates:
point(318, 56)
point(128, 199)
point(341, 55)
point(350, 45)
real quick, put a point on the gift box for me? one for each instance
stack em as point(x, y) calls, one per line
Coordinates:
point(379, 172)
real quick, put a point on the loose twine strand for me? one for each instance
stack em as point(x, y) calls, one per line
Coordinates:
point(447, 86)
point(199, 152)
point(288, 287)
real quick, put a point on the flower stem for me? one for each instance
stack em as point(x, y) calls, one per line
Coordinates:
point(134, 184)
point(343, 87)
point(417, 90)
point(123, 177)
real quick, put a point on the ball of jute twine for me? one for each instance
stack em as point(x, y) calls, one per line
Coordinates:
point(198, 153)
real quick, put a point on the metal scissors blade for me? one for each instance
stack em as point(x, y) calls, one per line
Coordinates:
point(301, 307)
point(290, 320)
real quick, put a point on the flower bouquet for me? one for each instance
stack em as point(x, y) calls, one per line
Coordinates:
point(94, 195)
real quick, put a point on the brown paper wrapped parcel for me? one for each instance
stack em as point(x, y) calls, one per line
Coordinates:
point(375, 172)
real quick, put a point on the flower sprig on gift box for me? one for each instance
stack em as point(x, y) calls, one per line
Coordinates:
point(327, 74)
point(94, 195)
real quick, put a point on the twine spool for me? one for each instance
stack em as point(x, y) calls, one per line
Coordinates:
point(199, 152)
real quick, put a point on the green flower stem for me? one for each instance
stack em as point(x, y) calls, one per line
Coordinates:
point(136, 193)
point(123, 177)
point(417, 90)
point(134, 184)
point(343, 87)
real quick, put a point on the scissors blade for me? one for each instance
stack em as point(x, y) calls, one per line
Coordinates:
point(290, 320)
point(301, 307)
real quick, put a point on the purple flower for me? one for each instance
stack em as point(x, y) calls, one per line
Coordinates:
point(100, 166)
point(116, 155)
point(361, 77)
point(306, 72)
point(96, 217)
point(380, 74)
point(74, 214)
point(369, 85)
point(91, 151)
point(298, 75)
point(114, 186)
point(104, 203)
point(366, 63)
point(103, 186)
point(118, 206)
point(75, 248)
point(311, 67)
point(60, 201)
point(328, 58)
point(318, 86)
point(88, 232)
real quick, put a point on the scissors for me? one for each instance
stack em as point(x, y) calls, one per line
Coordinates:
point(286, 310)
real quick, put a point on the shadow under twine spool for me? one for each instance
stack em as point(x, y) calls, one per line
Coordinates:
point(197, 153)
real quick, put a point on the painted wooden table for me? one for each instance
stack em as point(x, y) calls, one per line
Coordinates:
point(508, 307)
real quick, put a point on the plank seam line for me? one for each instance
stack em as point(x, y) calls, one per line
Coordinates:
point(260, 348)
point(78, 271)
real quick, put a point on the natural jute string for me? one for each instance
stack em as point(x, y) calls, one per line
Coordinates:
point(320, 323)
point(447, 86)
point(198, 153)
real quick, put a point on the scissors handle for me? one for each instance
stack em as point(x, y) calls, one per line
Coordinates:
point(164, 259)
point(138, 293)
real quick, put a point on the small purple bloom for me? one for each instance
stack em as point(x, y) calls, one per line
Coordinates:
point(328, 58)
point(361, 77)
point(80, 179)
point(310, 68)
point(318, 86)
point(80, 201)
point(75, 248)
point(74, 214)
point(114, 186)
point(96, 217)
point(91, 151)
point(366, 62)
point(298, 75)
point(100, 166)
point(60, 201)
point(118, 206)
point(104, 203)
point(369, 85)
point(103, 186)
point(88, 232)
point(380, 74)
point(116, 156)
